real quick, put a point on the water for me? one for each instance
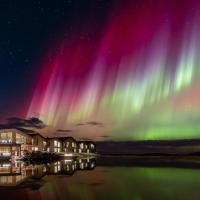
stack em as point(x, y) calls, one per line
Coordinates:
point(99, 179)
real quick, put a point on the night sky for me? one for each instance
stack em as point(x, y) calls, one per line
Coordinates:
point(102, 69)
point(27, 29)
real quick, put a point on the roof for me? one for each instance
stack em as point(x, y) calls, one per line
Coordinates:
point(30, 132)
point(61, 138)
point(86, 142)
point(16, 130)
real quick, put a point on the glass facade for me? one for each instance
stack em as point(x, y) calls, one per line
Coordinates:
point(14, 143)
point(13, 136)
point(6, 137)
point(5, 151)
point(57, 146)
point(20, 139)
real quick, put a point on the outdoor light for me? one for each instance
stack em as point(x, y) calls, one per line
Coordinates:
point(69, 160)
point(68, 154)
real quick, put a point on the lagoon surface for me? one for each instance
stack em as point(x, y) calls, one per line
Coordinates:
point(99, 179)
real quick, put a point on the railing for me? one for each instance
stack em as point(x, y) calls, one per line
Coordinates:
point(10, 141)
point(5, 141)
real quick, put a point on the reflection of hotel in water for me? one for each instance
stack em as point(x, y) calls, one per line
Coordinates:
point(69, 167)
point(12, 174)
point(14, 143)
point(17, 173)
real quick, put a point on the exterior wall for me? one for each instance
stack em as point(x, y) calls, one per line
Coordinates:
point(91, 147)
point(70, 145)
point(50, 146)
point(39, 143)
point(25, 148)
point(54, 145)
point(81, 147)
point(86, 147)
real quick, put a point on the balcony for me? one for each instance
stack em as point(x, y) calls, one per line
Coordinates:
point(5, 141)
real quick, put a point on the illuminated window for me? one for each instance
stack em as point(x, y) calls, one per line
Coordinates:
point(20, 139)
point(36, 148)
point(44, 143)
point(59, 144)
point(5, 151)
point(55, 169)
point(6, 137)
point(82, 166)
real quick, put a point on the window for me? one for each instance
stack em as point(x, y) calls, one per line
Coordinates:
point(82, 166)
point(55, 169)
point(59, 144)
point(55, 143)
point(6, 180)
point(20, 139)
point(6, 137)
point(44, 143)
point(5, 151)
point(35, 148)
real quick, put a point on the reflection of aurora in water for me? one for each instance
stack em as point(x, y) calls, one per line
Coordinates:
point(109, 182)
point(140, 77)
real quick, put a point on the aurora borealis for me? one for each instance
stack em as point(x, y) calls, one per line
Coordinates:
point(132, 75)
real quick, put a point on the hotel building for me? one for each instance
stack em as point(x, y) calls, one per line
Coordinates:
point(54, 145)
point(15, 143)
point(39, 143)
